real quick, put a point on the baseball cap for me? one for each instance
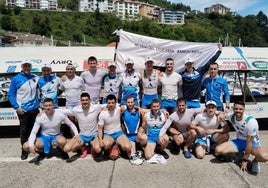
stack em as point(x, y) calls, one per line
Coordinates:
point(129, 61)
point(26, 62)
point(211, 102)
point(47, 65)
point(111, 63)
point(148, 59)
point(188, 59)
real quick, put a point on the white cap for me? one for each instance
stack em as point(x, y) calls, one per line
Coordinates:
point(188, 59)
point(47, 65)
point(211, 102)
point(26, 62)
point(148, 59)
point(111, 63)
point(129, 61)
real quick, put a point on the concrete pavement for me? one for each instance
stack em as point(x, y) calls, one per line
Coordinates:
point(76, 172)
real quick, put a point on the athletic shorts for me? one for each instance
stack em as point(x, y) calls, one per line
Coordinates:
point(153, 135)
point(240, 145)
point(87, 139)
point(114, 135)
point(48, 141)
point(147, 100)
point(168, 104)
point(132, 137)
point(193, 104)
point(203, 140)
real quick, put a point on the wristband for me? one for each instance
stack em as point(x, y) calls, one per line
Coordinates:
point(245, 160)
point(228, 107)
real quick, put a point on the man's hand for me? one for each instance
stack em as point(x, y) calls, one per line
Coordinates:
point(20, 111)
point(220, 46)
point(244, 166)
point(63, 78)
point(32, 149)
point(161, 140)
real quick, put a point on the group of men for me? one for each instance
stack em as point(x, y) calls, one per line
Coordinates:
point(113, 125)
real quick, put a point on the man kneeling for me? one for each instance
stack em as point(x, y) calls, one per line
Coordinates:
point(50, 124)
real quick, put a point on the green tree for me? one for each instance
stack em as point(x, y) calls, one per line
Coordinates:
point(8, 23)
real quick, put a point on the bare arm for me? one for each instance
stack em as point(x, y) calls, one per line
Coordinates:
point(247, 153)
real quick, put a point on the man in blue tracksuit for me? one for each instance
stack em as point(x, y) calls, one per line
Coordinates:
point(48, 85)
point(216, 87)
point(23, 98)
point(192, 80)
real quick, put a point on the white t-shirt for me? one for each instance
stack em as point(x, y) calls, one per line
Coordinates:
point(73, 89)
point(202, 120)
point(130, 84)
point(93, 81)
point(112, 85)
point(111, 120)
point(248, 126)
point(180, 121)
point(50, 125)
point(170, 84)
point(87, 119)
point(150, 83)
point(154, 122)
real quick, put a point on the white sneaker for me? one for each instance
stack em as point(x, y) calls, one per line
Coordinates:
point(154, 159)
point(255, 167)
point(157, 159)
point(162, 159)
point(136, 161)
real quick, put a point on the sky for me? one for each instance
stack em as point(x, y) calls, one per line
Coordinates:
point(241, 7)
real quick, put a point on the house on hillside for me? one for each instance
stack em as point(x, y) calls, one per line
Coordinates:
point(30, 40)
point(218, 8)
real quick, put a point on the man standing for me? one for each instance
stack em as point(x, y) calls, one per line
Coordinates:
point(111, 82)
point(131, 83)
point(192, 80)
point(73, 86)
point(215, 87)
point(149, 84)
point(180, 120)
point(149, 131)
point(86, 115)
point(171, 83)
point(110, 131)
point(247, 138)
point(206, 125)
point(23, 98)
point(48, 85)
point(50, 124)
point(93, 78)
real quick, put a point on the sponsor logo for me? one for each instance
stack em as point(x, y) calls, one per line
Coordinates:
point(260, 64)
point(57, 62)
point(11, 68)
point(102, 64)
point(255, 110)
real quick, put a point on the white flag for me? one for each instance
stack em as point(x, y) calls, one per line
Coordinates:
point(138, 47)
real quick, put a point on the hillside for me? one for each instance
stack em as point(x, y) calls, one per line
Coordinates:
point(96, 28)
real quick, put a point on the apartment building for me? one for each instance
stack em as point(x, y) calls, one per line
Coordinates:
point(34, 4)
point(218, 8)
point(171, 17)
point(127, 10)
point(92, 5)
point(30, 40)
point(149, 11)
